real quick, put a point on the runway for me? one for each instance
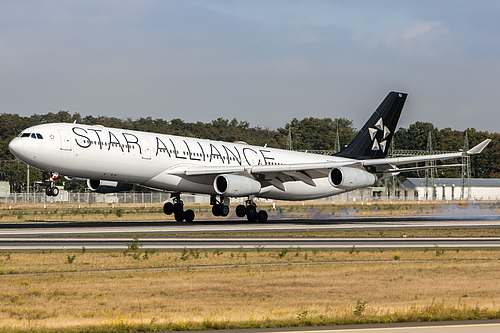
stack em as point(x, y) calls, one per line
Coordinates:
point(116, 235)
point(477, 326)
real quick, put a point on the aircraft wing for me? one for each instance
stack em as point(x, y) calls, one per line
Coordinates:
point(423, 158)
point(274, 175)
point(321, 167)
point(306, 172)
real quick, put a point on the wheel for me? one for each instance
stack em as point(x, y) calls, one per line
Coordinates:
point(168, 208)
point(240, 211)
point(262, 216)
point(48, 191)
point(179, 216)
point(252, 218)
point(251, 211)
point(224, 210)
point(178, 207)
point(217, 210)
point(189, 215)
point(55, 191)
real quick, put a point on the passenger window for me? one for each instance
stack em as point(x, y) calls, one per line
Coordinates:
point(39, 136)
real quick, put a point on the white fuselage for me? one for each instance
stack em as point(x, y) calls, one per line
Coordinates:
point(149, 159)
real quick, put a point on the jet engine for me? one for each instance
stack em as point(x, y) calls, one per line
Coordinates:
point(351, 178)
point(235, 186)
point(106, 186)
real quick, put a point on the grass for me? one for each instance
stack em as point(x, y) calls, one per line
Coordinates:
point(73, 212)
point(121, 292)
point(97, 261)
point(145, 290)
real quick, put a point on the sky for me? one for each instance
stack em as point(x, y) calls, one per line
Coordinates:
point(265, 62)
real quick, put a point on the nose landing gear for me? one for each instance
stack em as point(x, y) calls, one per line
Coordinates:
point(51, 190)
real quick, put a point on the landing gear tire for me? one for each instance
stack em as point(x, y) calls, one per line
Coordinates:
point(178, 207)
point(262, 216)
point(224, 210)
point(52, 191)
point(179, 216)
point(251, 211)
point(240, 211)
point(189, 216)
point(252, 218)
point(168, 208)
point(220, 210)
point(55, 191)
point(216, 211)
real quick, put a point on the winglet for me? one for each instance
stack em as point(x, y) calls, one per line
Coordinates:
point(479, 148)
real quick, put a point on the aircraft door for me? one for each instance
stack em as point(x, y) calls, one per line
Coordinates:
point(145, 149)
point(65, 140)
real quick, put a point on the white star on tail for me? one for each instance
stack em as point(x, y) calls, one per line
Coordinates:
point(379, 126)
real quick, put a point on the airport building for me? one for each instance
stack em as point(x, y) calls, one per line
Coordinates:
point(450, 189)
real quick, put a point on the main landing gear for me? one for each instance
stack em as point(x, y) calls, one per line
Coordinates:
point(250, 210)
point(177, 208)
point(221, 208)
point(51, 190)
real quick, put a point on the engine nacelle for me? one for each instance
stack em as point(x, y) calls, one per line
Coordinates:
point(106, 186)
point(351, 178)
point(235, 186)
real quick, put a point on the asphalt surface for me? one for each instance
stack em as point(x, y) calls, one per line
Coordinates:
point(116, 235)
point(479, 326)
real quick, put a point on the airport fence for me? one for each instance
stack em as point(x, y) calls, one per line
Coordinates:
point(92, 197)
point(159, 197)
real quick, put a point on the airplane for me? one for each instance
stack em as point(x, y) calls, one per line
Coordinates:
point(113, 160)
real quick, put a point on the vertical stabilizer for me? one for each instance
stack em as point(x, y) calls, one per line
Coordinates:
point(374, 139)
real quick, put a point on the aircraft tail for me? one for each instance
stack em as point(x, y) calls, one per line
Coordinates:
point(374, 139)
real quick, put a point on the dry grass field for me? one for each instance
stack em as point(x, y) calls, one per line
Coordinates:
point(178, 290)
point(139, 290)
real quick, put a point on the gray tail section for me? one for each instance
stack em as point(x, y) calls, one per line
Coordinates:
point(374, 139)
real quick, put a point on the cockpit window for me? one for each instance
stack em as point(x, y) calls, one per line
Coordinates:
point(32, 135)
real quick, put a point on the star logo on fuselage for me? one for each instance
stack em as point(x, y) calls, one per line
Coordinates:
point(379, 127)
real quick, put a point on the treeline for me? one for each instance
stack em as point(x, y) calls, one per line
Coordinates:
point(306, 134)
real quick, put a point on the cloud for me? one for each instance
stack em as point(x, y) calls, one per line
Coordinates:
point(263, 61)
point(410, 41)
point(427, 31)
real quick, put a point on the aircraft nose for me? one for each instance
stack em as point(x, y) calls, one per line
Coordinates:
point(16, 146)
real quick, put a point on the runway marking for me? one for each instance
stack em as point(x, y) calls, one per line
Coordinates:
point(168, 229)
